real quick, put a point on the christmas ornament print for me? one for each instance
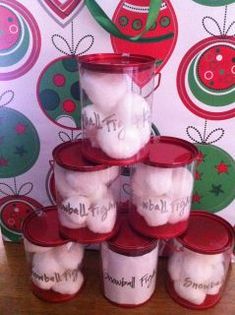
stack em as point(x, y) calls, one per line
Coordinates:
point(130, 18)
point(20, 40)
point(19, 143)
point(214, 179)
point(58, 92)
point(214, 3)
point(62, 11)
point(206, 75)
point(13, 210)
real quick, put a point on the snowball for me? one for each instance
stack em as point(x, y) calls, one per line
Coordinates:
point(102, 215)
point(69, 255)
point(69, 286)
point(45, 268)
point(76, 209)
point(216, 281)
point(189, 293)
point(92, 120)
point(103, 89)
point(175, 265)
point(195, 267)
point(159, 179)
point(155, 210)
point(180, 209)
point(66, 221)
point(121, 143)
point(62, 186)
point(144, 134)
point(182, 182)
point(32, 248)
point(132, 109)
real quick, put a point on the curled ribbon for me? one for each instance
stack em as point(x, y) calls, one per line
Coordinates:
point(212, 27)
point(65, 137)
point(24, 189)
point(195, 135)
point(6, 98)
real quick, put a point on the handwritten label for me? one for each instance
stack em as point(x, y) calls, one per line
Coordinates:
point(95, 210)
point(69, 274)
point(188, 283)
point(160, 206)
point(181, 206)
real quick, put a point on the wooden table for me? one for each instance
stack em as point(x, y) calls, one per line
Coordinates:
point(17, 299)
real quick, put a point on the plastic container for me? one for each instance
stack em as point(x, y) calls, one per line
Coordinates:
point(54, 263)
point(198, 267)
point(87, 207)
point(129, 265)
point(116, 112)
point(162, 188)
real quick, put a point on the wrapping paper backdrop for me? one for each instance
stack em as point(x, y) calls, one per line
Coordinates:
point(39, 99)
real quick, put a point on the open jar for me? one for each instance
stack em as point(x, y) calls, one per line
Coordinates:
point(87, 207)
point(116, 112)
point(54, 263)
point(199, 263)
point(129, 267)
point(162, 188)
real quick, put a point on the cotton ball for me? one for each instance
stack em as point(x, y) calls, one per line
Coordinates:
point(65, 221)
point(155, 210)
point(216, 281)
point(103, 89)
point(139, 184)
point(44, 270)
point(182, 182)
point(69, 255)
point(195, 267)
point(76, 209)
point(108, 175)
point(102, 215)
point(159, 179)
point(92, 119)
point(189, 293)
point(133, 109)
point(69, 286)
point(62, 186)
point(86, 183)
point(32, 248)
point(122, 143)
point(175, 265)
point(180, 209)
point(144, 133)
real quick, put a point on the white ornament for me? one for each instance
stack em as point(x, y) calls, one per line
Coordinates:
point(32, 248)
point(69, 255)
point(155, 210)
point(44, 270)
point(103, 89)
point(69, 286)
point(102, 215)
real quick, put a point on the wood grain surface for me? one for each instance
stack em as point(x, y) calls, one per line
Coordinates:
point(17, 299)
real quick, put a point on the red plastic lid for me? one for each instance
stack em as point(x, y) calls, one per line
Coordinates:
point(207, 233)
point(170, 152)
point(116, 63)
point(69, 155)
point(42, 228)
point(128, 242)
point(96, 155)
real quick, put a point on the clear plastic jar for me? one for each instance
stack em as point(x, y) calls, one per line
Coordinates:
point(116, 112)
point(129, 267)
point(87, 206)
point(54, 263)
point(198, 267)
point(162, 188)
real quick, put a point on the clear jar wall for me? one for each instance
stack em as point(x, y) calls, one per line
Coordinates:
point(197, 280)
point(129, 279)
point(161, 199)
point(87, 206)
point(116, 112)
point(55, 272)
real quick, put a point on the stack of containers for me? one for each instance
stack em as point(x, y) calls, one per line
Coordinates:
point(116, 121)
